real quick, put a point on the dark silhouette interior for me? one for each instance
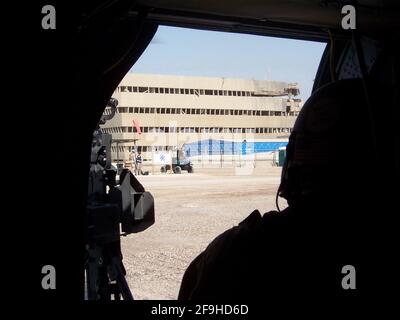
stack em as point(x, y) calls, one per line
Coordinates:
point(95, 46)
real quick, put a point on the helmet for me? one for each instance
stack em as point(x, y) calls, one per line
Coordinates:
point(331, 142)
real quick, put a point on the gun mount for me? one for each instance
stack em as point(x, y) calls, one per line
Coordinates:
point(113, 206)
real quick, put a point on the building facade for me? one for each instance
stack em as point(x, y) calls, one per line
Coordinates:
point(206, 115)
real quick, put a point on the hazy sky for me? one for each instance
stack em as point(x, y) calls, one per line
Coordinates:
point(219, 54)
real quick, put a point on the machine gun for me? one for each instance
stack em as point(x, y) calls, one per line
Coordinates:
point(113, 206)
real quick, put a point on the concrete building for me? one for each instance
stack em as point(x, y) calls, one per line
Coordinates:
point(209, 116)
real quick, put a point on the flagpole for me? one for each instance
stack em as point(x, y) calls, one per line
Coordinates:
point(134, 147)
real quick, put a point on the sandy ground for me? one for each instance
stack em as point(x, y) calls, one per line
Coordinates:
point(191, 210)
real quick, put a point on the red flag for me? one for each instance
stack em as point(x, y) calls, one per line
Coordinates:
point(136, 124)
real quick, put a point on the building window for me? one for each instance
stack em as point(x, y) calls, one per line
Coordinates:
point(161, 90)
point(191, 91)
point(182, 91)
point(130, 110)
point(186, 91)
point(220, 92)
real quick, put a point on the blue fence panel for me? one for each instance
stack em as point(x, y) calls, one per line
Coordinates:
point(227, 147)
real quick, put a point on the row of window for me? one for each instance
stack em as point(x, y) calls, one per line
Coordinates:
point(197, 92)
point(222, 112)
point(142, 148)
point(196, 130)
point(207, 92)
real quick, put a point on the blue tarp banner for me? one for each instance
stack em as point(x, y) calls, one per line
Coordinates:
point(227, 147)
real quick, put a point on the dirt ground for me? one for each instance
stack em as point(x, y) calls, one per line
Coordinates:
point(191, 210)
